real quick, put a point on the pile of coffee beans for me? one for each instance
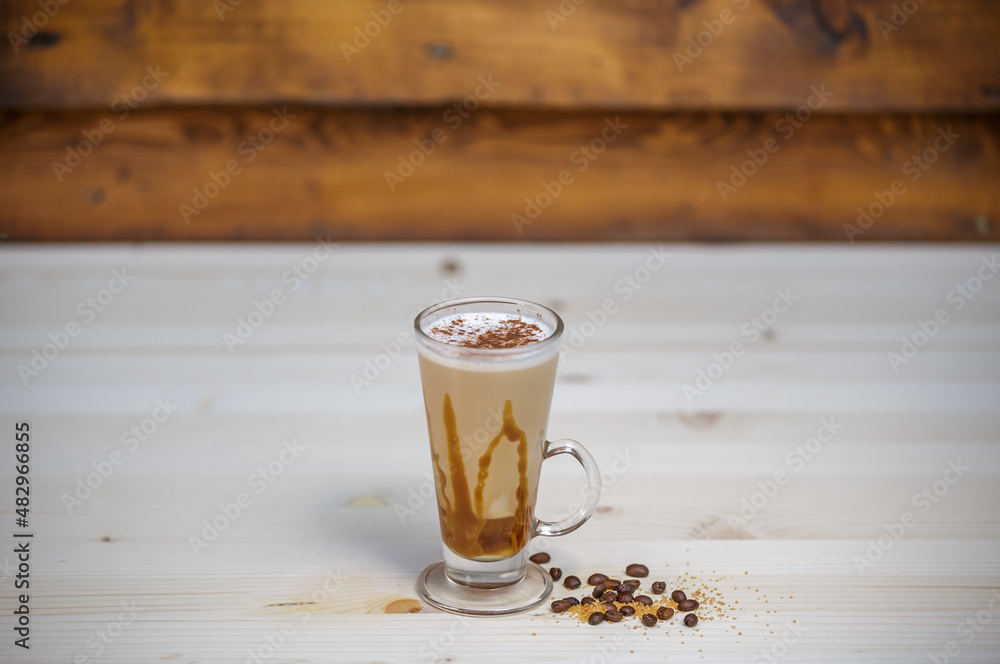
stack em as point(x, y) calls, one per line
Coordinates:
point(613, 600)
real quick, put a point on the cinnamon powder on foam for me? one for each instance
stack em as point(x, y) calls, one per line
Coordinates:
point(482, 332)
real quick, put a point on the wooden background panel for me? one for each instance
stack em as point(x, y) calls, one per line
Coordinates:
point(605, 54)
point(325, 173)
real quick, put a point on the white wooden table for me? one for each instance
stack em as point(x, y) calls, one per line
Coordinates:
point(725, 487)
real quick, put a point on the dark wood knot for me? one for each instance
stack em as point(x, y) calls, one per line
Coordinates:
point(834, 16)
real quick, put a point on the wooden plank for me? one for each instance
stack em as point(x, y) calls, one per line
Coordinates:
point(671, 436)
point(215, 608)
point(848, 319)
point(762, 55)
point(663, 178)
point(119, 507)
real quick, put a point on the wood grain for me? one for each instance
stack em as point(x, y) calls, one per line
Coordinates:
point(312, 566)
point(633, 54)
point(350, 175)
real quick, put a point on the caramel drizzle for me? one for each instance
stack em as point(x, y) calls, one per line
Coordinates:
point(462, 509)
point(468, 523)
point(442, 479)
point(511, 432)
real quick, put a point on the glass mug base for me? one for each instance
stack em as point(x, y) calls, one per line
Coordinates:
point(441, 592)
point(488, 574)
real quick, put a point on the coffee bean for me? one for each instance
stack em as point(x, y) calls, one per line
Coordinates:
point(540, 558)
point(609, 596)
point(664, 613)
point(596, 618)
point(690, 620)
point(659, 587)
point(571, 582)
point(687, 605)
point(629, 585)
point(560, 605)
point(572, 601)
point(678, 596)
point(596, 579)
point(625, 598)
point(555, 573)
point(648, 619)
point(627, 611)
point(638, 570)
point(587, 600)
point(600, 589)
point(609, 605)
point(612, 615)
point(645, 600)
point(613, 583)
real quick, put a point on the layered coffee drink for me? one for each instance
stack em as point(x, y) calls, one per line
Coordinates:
point(487, 381)
point(488, 368)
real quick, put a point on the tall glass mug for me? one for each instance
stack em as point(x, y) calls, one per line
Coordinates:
point(488, 367)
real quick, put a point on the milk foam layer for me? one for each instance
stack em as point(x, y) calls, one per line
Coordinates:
point(471, 329)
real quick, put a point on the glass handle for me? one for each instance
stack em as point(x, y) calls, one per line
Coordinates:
point(574, 521)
